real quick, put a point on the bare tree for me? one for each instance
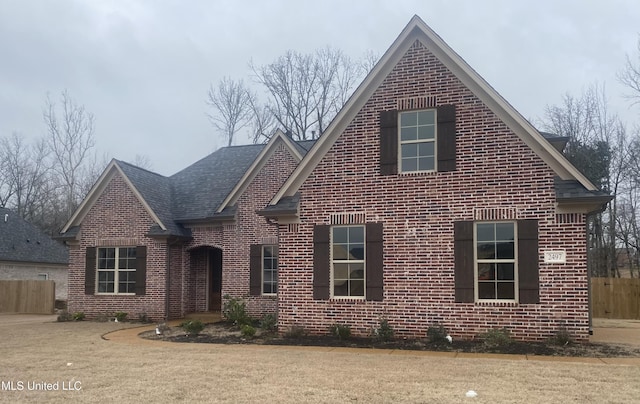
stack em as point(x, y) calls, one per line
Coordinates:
point(231, 102)
point(71, 138)
point(307, 90)
point(264, 124)
point(142, 161)
point(630, 76)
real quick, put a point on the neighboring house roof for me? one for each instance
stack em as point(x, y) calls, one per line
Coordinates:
point(417, 30)
point(206, 190)
point(21, 241)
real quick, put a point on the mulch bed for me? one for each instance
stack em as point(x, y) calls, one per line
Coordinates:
point(225, 333)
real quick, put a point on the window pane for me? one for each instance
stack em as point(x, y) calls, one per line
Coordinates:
point(267, 252)
point(410, 150)
point(426, 164)
point(485, 231)
point(486, 251)
point(341, 271)
point(340, 235)
point(426, 132)
point(506, 290)
point(504, 231)
point(357, 271)
point(340, 251)
point(505, 250)
point(356, 252)
point(486, 272)
point(505, 272)
point(486, 290)
point(426, 117)
point(425, 149)
point(410, 164)
point(340, 288)
point(356, 234)
point(408, 134)
point(357, 288)
point(408, 119)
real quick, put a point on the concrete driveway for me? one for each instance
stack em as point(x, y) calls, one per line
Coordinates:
point(616, 331)
point(10, 319)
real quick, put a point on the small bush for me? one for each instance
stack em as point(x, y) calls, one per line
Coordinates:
point(296, 331)
point(192, 327)
point(562, 337)
point(120, 316)
point(102, 318)
point(496, 337)
point(437, 334)
point(144, 318)
point(64, 316)
point(78, 316)
point(269, 322)
point(342, 331)
point(235, 311)
point(384, 332)
point(247, 330)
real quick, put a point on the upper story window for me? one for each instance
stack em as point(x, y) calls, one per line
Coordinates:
point(418, 140)
point(496, 260)
point(116, 270)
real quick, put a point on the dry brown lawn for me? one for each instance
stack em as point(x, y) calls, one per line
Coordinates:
point(162, 372)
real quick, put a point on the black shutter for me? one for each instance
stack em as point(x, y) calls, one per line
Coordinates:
point(141, 270)
point(321, 264)
point(255, 269)
point(388, 142)
point(374, 261)
point(90, 269)
point(528, 279)
point(446, 138)
point(463, 261)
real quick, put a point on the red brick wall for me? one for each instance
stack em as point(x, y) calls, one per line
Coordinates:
point(235, 238)
point(118, 219)
point(495, 169)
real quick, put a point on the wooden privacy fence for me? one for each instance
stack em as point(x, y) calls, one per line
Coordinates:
point(615, 298)
point(27, 296)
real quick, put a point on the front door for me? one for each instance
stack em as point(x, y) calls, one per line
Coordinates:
point(215, 279)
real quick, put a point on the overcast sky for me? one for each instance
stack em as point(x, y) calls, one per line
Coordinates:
point(143, 68)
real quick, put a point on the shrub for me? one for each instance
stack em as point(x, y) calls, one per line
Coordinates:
point(269, 322)
point(192, 327)
point(342, 331)
point(562, 337)
point(248, 330)
point(120, 316)
point(78, 316)
point(384, 332)
point(64, 316)
point(144, 318)
point(437, 334)
point(235, 311)
point(296, 331)
point(496, 337)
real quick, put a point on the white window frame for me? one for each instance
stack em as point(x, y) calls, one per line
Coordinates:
point(116, 270)
point(274, 248)
point(349, 261)
point(476, 261)
point(418, 141)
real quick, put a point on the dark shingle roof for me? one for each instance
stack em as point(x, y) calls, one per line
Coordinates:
point(572, 190)
point(200, 188)
point(157, 191)
point(23, 242)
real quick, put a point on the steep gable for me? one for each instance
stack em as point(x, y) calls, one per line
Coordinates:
point(418, 33)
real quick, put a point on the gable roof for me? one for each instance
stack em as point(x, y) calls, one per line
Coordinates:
point(418, 30)
point(206, 190)
point(21, 241)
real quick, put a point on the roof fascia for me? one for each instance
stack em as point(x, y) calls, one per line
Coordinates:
point(257, 165)
point(96, 191)
point(417, 29)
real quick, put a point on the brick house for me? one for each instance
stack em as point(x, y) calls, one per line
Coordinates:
point(430, 200)
point(143, 243)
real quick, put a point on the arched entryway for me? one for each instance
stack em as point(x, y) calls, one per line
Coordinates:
point(206, 279)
